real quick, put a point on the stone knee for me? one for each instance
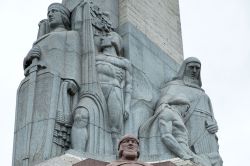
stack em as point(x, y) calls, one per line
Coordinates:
point(81, 117)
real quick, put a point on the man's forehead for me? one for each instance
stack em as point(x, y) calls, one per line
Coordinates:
point(59, 7)
point(130, 139)
point(54, 8)
point(194, 64)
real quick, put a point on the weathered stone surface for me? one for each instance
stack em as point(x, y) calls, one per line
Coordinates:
point(109, 6)
point(159, 20)
point(71, 160)
point(90, 162)
point(151, 68)
point(64, 160)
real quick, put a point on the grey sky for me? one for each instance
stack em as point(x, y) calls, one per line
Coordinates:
point(215, 31)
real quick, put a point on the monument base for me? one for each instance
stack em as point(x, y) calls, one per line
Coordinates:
point(69, 159)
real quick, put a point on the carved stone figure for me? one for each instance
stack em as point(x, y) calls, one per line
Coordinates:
point(91, 111)
point(106, 81)
point(167, 131)
point(198, 117)
point(128, 148)
point(47, 94)
point(173, 131)
point(115, 80)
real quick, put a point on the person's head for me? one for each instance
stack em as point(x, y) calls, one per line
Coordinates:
point(190, 69)
point(113, 39)
point(58, 16)
point(128, 148)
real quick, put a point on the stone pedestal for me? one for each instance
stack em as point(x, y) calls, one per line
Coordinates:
point(73, 160)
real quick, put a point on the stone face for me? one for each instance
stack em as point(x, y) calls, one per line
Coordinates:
point(159, 20)
point(128, 148)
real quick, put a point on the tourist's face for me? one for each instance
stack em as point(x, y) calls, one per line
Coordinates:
point(129, 145)
point(55, 18)
point(193, 70)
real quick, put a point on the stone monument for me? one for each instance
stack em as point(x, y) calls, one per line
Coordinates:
point(100, 69)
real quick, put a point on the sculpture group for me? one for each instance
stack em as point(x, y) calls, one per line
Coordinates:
point(77, 94)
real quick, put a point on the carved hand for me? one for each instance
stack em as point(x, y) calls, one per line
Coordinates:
point(72, 87)
point(127, 64)
point(211, 127)
point(125, 115)
point(187, 157)
point(35, 52)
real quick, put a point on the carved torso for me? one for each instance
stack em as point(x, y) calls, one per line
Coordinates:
point(60, 51)
point(106, 73)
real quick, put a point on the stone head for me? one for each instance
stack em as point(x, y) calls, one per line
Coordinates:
point(128, 148)
point(190, 69)
point(58, 15)
point(112, 39)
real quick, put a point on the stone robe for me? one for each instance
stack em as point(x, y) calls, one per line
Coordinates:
point(43, 96)
point(196, 118)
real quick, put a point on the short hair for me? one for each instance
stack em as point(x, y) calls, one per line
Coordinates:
point(127, 136)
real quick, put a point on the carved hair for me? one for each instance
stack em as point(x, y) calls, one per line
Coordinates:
point(64, 11)
point(127, 136)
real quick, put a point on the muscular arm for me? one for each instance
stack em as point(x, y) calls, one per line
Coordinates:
point(128, 90)
point(166, 119)
point(119, 62)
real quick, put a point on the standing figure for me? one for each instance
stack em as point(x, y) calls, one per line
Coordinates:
point(46, 96)
point(115, 81)
point(198, 117)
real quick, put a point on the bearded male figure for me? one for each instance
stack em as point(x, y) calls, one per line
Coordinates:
point(198, 118)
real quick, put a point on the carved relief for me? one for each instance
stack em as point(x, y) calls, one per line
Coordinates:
point(81, 93)
point(185, 119)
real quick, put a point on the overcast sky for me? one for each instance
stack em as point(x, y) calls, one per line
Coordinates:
point(215, 31)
